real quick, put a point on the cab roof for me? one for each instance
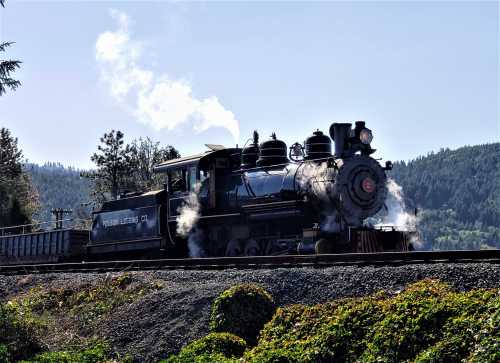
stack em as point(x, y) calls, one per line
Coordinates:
point(174, 163)
point(203, 159)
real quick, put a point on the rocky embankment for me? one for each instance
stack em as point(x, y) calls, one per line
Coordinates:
point(149, 315)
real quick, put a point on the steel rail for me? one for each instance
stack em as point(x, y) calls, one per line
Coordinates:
point(256, 262)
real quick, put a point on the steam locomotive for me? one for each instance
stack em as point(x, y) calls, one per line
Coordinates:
point(262, 199)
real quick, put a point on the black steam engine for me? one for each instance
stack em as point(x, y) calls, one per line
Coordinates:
point(264, 199)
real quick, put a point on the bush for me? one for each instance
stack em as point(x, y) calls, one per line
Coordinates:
point(427, 322)
point(487, 341)
point(273, 356)
point(95, 354)
point(4, 353)
point(215, 347)
point(413, 321)
point(18, 333)
point(242, 310)
point(321, 333)
point(342, 338)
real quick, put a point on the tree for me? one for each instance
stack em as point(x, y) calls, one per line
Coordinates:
point(122, 167)
point(145, 154)
point(10, 155)
point(7, 67)
point(18, 198)
point(456, 192)
point(113, 167)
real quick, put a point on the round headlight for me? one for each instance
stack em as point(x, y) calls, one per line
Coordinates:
point(366, 136)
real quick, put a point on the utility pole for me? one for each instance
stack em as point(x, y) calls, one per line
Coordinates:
point(59, 214)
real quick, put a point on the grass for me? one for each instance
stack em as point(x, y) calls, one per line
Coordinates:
point(62, 324)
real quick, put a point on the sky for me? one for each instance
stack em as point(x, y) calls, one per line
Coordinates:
point(424, 75)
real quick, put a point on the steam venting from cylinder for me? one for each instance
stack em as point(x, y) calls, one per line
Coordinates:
point(188, 217)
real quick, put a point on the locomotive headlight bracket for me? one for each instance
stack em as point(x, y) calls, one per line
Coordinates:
point(366, 136)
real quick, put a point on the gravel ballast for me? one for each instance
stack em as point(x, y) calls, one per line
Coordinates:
point(161, 322)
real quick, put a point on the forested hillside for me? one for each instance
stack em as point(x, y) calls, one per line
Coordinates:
point(59, 187)
point(458, 195)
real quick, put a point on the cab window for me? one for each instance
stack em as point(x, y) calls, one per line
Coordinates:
point(177, 181)
point(193, 178)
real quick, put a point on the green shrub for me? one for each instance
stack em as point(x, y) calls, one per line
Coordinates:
point(94, 354)
point(427, 322)
point(242, 310)
point(215, 347)
point(4, 353)
point(278, 355)
point(76, 312)
point(298, 322)
point(18, 333)
point(413, 321)
point(341, 339)
point(321, 333)
point(202, 358)
point(487, 340)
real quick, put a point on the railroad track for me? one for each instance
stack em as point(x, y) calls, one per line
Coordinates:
point(288, 261)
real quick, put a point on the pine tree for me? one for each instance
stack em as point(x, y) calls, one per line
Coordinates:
point(122, 167)
point(7, 67)
point(18, 198)
point(10, 155)
point(113, 167)
point(145, 154)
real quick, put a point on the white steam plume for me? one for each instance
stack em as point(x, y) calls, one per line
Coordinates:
point(189, 213)
point(396, 208)
point(313, 177)
point(397, 214)
point(158, 100)
point(316, 179)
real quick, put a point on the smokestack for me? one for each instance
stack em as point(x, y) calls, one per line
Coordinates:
point(339, 132)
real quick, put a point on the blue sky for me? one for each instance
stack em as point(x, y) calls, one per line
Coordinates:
point(424, 75)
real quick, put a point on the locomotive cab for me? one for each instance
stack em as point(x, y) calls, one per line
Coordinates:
point(198, 181)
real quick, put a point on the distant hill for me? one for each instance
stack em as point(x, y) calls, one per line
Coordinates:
point(458, 194)
point(59, 187)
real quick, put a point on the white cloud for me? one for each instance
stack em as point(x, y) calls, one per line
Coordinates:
point(158, 101)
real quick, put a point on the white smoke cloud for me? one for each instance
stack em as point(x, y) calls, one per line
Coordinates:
point(189, 214)
point(158, 100)
point(396, 208)
point(314, 178)
point(397, 215)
